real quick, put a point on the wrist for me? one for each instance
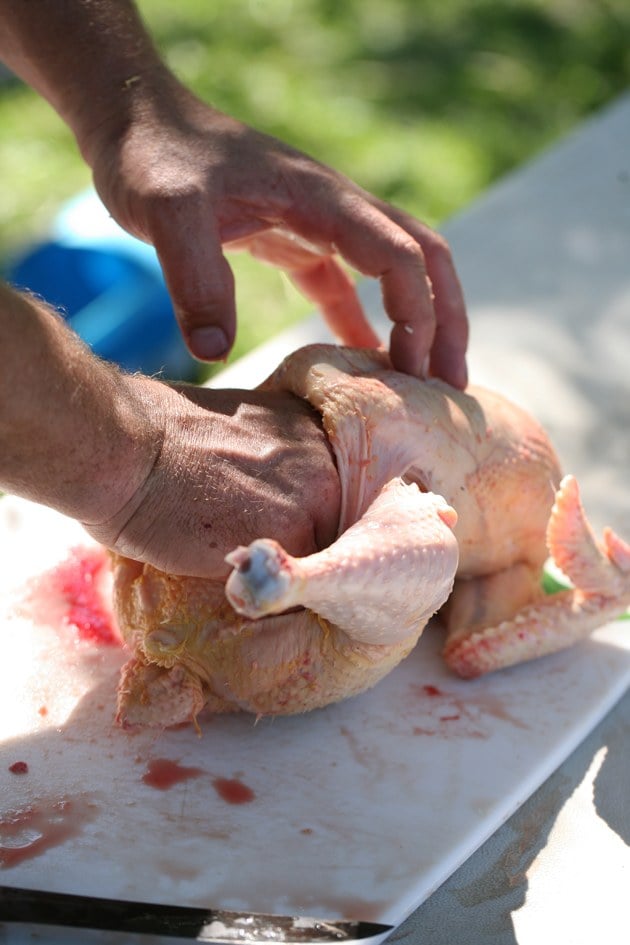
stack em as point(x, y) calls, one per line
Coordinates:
point(146, 454)
point(128, 100)
point(86, 57)
point(125, 448)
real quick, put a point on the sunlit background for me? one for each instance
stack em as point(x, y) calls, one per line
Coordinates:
point(423, 102)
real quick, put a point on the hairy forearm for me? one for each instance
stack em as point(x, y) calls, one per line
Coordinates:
point(88, 58)
point(75, 433)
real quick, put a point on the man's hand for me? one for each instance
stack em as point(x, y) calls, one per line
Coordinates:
point(176, 478)
point(234, 466)
point(191, 180)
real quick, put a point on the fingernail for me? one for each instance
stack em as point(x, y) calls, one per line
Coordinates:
point(459, 377)
point(209, 343)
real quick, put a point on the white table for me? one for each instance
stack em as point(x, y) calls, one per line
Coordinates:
point(545, 262)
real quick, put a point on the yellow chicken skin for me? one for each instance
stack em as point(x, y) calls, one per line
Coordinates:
point(451, 501)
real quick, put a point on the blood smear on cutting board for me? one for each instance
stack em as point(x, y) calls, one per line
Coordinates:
point(30, 831)
point(77, 580)
point(18, 767)
point(163, 774)
point(233, 791)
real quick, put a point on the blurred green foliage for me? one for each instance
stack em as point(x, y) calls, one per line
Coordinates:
point(423, 102)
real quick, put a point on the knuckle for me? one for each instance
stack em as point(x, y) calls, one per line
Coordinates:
point(162, 200)
point(410, 251)
point(438, 251)
point(193, 297)
point(406, 247)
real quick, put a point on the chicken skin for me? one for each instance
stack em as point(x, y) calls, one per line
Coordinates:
point(450, 501)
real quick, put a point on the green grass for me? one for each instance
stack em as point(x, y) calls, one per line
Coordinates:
point(424, 103)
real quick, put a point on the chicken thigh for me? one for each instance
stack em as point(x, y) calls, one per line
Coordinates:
point(451, 501)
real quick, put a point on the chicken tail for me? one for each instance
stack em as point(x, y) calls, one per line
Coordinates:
point(593, 567)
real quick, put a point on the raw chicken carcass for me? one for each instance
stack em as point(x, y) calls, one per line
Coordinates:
point(448, 498)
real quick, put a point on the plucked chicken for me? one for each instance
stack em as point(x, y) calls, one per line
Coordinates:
point(451, 501)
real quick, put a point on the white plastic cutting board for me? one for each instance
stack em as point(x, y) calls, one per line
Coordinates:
point(358, 810)
point(362, 809)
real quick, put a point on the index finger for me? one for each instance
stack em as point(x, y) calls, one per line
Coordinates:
point(198, 277)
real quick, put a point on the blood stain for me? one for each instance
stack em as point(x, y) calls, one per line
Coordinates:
point(31, 831)
point(77, 582)
point(471, 711)
point(18, 767)
point(163, 774)
point(233, 791)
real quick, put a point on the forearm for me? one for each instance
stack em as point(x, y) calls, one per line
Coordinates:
point(89, 58)
point(75, 433)
point(180, 175)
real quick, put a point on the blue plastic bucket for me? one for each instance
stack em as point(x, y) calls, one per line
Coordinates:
point(109, 286)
